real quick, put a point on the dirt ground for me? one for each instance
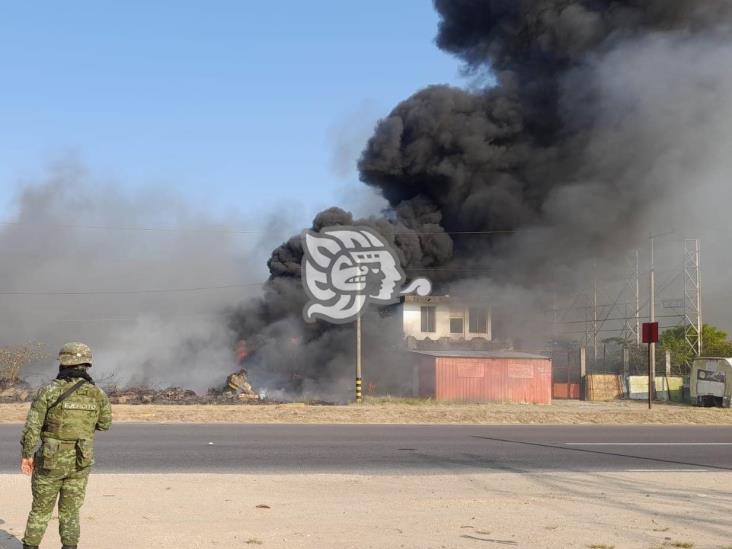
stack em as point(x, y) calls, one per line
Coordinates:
point(534, 510)
point(560, 412)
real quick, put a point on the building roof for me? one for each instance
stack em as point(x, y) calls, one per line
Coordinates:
point(436, 299)
point(465, 353)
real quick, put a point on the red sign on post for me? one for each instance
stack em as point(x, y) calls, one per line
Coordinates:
point(650, 332)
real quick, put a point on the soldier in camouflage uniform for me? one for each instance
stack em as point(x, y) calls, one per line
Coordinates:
point(65, 426)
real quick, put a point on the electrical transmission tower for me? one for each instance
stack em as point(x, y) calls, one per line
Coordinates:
point(631, 327)
point(692, 297)
point(612, 308)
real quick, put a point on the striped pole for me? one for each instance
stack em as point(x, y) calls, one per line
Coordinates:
point(359, 393)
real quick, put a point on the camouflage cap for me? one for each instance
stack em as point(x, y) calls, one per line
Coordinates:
point(73, 354)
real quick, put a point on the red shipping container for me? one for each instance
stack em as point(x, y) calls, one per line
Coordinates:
point(484, 376)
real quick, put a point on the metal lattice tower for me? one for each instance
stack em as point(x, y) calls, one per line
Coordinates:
point(692, 296)
point(631, 326)
point(613, 308)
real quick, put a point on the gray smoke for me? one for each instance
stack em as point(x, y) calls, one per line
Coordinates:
point(607, 121)
point(70, 239)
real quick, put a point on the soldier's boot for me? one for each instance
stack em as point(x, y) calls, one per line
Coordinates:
point(30, 546)
point(64, 546)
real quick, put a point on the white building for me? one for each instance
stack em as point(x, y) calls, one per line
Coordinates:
point(445, 318)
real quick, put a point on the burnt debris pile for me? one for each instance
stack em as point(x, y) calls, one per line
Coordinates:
point(236, 390)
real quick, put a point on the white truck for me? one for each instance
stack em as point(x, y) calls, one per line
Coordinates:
point(710, 383)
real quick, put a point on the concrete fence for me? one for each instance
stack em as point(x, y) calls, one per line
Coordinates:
point(613, 387)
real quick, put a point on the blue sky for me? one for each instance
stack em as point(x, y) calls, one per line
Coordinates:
point(232, 102)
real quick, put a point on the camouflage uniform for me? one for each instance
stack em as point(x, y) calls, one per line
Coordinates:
point(63, 462)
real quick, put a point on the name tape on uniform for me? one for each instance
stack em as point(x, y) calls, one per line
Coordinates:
point(79, 406)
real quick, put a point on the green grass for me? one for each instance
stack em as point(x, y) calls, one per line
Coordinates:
point(600, 546)
point(254, 541)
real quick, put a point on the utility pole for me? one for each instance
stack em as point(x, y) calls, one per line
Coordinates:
point(583, 371)
point(637, 298)
point(359, 355)
point(594, 314)
point(652, 345)
point(653, 331)
point(555, 316)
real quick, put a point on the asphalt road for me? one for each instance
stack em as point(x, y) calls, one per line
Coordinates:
point(148, 448)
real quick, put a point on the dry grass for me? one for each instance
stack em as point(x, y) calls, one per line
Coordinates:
point(409, 401)
point(411, 411)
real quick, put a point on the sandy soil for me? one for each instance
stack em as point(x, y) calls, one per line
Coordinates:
point(560, 412)
point(622, 510)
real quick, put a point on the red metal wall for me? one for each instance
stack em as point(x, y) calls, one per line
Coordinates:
point(493, 379)
point(566, 390)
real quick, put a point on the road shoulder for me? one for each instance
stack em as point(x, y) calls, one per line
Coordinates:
point(330, 511)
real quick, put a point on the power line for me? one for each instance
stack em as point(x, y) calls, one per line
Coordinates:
point(619, 330)
point(450, 269)
point(222, 230)
point(129, 228)
point(419, 233)
point(612, 319)
point(129, 318)
point(126, 292)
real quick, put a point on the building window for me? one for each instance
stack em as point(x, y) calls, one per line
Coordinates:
point(478, 320)
point(456, 326)
point(428, 318)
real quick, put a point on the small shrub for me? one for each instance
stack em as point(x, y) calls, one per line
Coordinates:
point(14, 358)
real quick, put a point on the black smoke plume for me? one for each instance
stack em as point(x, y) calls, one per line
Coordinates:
point(579, 144)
